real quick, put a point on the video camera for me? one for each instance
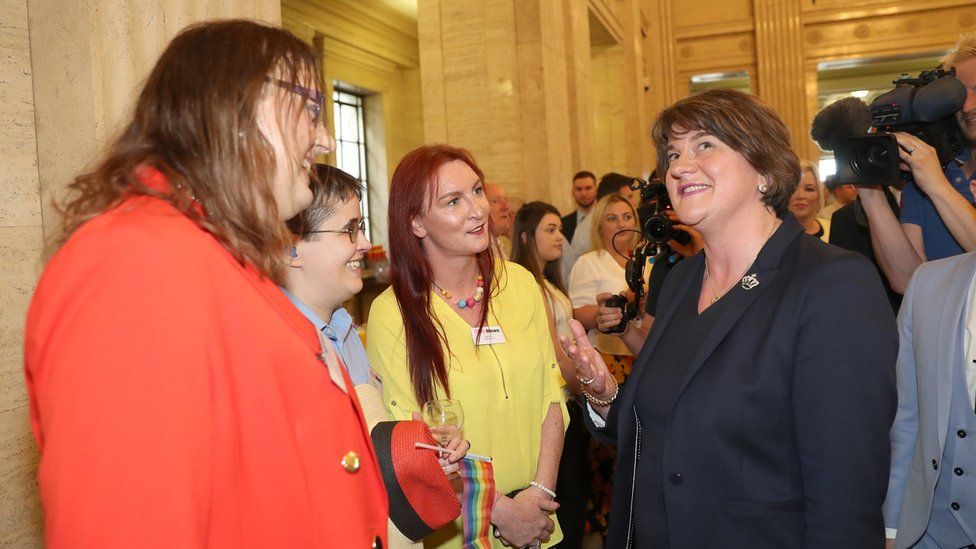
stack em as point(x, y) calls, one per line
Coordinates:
point(657, 230)
point(923, 106)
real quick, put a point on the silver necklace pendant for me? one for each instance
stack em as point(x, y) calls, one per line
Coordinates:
point(750, 281)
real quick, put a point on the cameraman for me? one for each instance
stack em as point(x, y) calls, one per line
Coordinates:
point(938, 218)
point(635, 332)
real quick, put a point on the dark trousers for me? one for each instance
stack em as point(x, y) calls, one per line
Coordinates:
point(574, 485)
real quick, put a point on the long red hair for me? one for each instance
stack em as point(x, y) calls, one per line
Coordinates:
point(411, 193)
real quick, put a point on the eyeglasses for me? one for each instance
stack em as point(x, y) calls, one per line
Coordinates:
point(316, 97)
point(353, 230)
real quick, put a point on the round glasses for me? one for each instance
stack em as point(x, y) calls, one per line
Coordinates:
point(352, 230)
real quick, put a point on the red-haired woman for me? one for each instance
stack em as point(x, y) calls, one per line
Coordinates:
point(457, 323)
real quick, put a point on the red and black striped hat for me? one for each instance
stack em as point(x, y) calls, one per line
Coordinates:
point(421, 497)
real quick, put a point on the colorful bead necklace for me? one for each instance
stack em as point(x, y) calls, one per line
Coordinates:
point(479, 294)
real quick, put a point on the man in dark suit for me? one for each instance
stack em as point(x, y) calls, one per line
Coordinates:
point(584, 193)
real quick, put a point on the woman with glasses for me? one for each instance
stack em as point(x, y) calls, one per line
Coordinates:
point(325, 270)
point(459, 323)
point(173, 387)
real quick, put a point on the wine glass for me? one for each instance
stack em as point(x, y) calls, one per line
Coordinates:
point(444, 417)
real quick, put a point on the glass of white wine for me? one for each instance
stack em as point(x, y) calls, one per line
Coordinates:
point(445, 417)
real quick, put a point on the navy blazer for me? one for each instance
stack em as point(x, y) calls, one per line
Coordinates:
point(779, 437)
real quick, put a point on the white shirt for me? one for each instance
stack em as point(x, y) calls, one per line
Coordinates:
point(969, 354)
point(594, 273)
point(561, 309)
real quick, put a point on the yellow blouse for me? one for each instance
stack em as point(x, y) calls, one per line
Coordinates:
point(505, 389)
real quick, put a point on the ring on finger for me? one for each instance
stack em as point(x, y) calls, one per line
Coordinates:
point(585, 380)
point(911, 150)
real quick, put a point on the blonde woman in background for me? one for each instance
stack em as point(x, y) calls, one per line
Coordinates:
point(808, 200)
point(601, 271)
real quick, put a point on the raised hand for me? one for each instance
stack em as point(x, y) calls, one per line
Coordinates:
point(591, 370)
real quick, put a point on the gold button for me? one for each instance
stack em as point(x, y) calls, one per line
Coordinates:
point(350, 462)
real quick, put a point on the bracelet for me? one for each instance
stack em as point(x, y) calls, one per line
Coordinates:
point(543, 488)
point(604, 403)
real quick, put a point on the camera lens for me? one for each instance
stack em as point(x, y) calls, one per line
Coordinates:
point(871, 160)
point(658, 228)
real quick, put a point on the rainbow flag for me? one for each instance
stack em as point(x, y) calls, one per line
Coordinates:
point(479, 486)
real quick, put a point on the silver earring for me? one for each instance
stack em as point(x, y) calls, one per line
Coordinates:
point(763, 188)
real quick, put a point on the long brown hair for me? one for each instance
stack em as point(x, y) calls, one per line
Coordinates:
point(411, 193)
point(196, 122)
point(524, 251)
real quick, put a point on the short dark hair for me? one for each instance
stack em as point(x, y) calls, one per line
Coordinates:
point(747, 125)
point(831, 182)
point(330, 187)
point(611, 183)
point(582, 174)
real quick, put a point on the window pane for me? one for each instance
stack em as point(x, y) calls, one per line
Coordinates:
point(349, 124)
point(349, 161)
point(350, 98)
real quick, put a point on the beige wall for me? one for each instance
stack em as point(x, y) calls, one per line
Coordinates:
point(374, 48)
point(533, 91)
point(20, 247)
point(68, 72)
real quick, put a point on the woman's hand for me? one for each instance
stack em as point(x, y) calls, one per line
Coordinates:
point(591, 370)
point(454, 452)
point(608, 317)
point(524, 520)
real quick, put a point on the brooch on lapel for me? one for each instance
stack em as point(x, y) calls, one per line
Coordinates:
point(750, 281)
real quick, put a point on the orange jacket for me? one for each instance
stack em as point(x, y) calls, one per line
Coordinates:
point(178, 400)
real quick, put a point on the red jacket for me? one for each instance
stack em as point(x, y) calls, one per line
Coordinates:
point(178, 400)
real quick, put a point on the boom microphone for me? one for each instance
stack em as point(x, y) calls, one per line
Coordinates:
point(845, 118)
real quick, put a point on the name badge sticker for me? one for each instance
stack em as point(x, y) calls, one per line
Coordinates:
point(489, 335)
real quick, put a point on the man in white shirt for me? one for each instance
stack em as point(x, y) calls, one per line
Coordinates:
point(931, 500)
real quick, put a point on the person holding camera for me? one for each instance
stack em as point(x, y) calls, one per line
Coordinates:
point(601, 273)
point(737, 427)
point(938, 217)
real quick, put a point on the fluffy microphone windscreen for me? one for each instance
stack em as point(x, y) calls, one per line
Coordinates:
point(845, 118)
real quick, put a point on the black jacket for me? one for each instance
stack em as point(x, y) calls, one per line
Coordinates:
point(569, 225)
point(779, 437)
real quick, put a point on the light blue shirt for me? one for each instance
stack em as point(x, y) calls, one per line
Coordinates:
point(343, 335)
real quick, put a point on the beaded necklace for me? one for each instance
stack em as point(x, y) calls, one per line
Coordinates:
point(479, 294)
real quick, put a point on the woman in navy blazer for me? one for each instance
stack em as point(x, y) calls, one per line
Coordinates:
point(759, 407)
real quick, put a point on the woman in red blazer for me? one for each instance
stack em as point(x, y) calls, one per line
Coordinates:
point(178, 398)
